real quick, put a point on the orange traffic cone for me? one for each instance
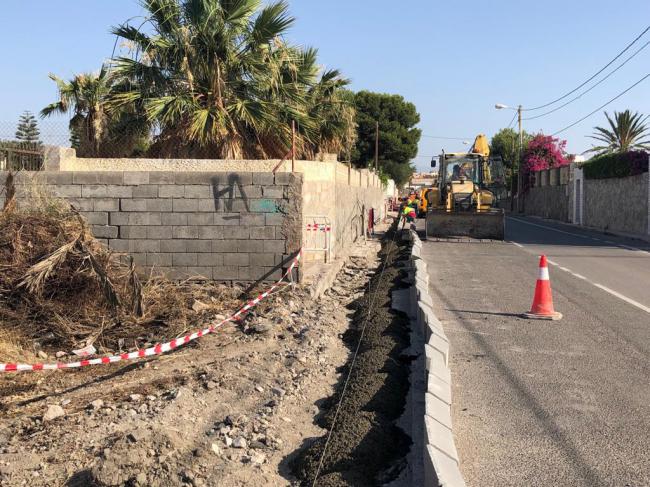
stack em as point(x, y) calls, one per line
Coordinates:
point(542, 308)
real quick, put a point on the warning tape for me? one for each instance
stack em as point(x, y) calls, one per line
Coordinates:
point(318, 226)
point(161, 347)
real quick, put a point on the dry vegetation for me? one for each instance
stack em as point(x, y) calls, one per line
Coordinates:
point(60, 289)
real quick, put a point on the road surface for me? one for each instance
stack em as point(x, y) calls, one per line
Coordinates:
point(539, 403)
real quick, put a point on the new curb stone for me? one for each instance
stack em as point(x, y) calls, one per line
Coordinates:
point(441, 464)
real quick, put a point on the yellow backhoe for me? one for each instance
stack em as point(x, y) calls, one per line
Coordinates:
point(464, 203)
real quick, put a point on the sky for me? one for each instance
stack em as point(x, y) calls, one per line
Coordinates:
point(453, 59)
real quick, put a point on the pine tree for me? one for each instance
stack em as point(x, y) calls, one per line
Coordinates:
point(27, 130)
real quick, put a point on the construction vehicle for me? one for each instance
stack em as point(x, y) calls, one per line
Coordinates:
point(464, 202)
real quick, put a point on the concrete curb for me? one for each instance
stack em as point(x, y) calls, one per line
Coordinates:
point(440, 458)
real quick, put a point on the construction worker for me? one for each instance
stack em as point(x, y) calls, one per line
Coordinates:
point(408, 214)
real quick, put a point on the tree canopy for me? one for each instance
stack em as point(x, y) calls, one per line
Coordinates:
point(505, 143)
point(27, 130)
point(398, 137)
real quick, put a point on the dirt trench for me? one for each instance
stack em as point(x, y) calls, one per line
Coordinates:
point(366, 447)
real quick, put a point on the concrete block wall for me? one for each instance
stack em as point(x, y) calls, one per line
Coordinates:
point(439, 455)
point(226, 226)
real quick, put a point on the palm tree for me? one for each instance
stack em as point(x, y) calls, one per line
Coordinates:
point(217, 79)
point(627, 131)
point(86, 97)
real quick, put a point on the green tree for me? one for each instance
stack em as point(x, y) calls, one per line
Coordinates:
point(27, 130)
point(97, 126)
point(505, 143)
point(627, 131)
point(218, 79)
point(398, 137)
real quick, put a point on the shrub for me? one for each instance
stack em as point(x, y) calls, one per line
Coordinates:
point(617, 165)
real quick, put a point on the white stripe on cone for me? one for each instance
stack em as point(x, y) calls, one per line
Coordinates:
point(543, 274)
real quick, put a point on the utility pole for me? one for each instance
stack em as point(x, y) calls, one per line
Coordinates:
point(293, 146)
point(376, 145)
point(521, 155)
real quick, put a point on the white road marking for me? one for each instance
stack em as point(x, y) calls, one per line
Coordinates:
point(595, 284)
point(586, 237)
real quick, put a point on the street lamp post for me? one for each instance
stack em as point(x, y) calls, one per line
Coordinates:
point(501, 106)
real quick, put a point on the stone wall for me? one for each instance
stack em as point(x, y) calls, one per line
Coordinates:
point(617, 204)
point(548, 202)
point(226, 226)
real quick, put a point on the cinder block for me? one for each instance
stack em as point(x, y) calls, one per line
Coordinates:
point(282, 178)
point(185, 232)
point(158, 204)
point(135, 178)
point(173, 246)
point(440, 437)
point(210, 260)
point(247, 192)
point(129, 204)
point(133, 232)
point(174, 218)
point(185, 205)
point(226, 219)
point(271, 274)
point(171, 191)
point(144, 245)
point(67, 191)
point(441, 470)
point(439, 388)
point(144, 218)
point(104, 231)
point(263, 178)
point(146, 191)
point(199, 246)
point(262, 233)
point(194, 177)
point(159, 232)
point(209, 206)
point(96, 217)
point(54, 177)
point(161, 177)
point(276, 219)
point(98, 177)
point(184, 259)
point(222, 246)
point(82, 204)
point(236, 233)
point(236, 259)
point(437, 409)
point(115, 191)
point(210, 232)
point(200, 218)
point(273, 191)
point(105, 204)
point(262, 260)
point(159, 259)
point(199, 273)
point(275, 246)
point(198, 191)
point(118, 218)
point(118, 245)
point(253, 219)
point(225, 273)
point(263, 205)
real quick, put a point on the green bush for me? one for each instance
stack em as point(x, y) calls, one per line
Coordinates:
point(616, 165)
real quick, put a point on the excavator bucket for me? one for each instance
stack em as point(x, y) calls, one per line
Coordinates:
point(489, 224)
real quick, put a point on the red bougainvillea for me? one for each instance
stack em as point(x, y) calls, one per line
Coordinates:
point(545, 152)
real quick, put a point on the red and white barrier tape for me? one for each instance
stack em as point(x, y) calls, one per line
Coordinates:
point(318, 226)
point(161, 347)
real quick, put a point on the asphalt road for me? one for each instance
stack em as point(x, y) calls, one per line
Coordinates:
point(539, 403)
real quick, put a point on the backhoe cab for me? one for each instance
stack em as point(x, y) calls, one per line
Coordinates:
point(462, 205)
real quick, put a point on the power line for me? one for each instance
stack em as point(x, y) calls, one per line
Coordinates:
point(512, 120)
point(591, 88)
point(602, 106)
point(594, 76)
point(444, 138)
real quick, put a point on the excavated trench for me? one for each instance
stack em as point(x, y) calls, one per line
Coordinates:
point(366, 446)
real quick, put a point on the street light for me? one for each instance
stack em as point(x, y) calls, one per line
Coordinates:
point(501, 106)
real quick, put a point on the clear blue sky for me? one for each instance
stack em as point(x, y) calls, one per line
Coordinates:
point(453, 59)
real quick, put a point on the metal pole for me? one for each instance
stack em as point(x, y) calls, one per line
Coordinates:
point(521, 155)
point(376, 145)
point(293, 146)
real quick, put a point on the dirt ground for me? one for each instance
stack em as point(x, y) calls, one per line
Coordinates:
point(366, 447)
point(230, 410)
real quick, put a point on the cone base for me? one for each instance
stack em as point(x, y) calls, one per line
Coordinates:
point(551, 317)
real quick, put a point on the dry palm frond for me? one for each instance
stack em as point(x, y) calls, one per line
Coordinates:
point(108, 290)
point(36, 276)
point(10, 193)
point(136, 291)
